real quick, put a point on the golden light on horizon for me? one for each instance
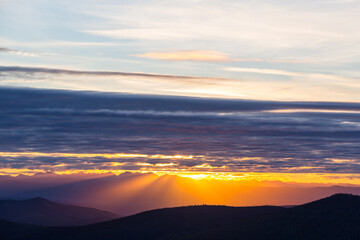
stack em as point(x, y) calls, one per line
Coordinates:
point(300, 178)
point(162, 164)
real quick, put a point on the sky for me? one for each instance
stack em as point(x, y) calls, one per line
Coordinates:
point(267, 50)
point(201, 88)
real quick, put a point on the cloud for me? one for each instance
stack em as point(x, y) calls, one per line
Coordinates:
point(45, 129)
point(342, 80)
point(93, 155)
point(17, 52)
point(190, 55)
point(211, 56)
point(123, 112)
point(33, 70)
point(330, 87)
point(245, 26)
point(262, 71)
point(110, 81)
point(27, 72)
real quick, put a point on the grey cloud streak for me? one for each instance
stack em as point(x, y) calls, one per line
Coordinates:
point(15, 51)
point(3, 49)
point(54, 71)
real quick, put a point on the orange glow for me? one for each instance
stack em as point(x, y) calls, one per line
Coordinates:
point(129, 193)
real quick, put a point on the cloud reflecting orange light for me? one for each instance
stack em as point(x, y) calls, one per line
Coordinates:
point(190, 55)
point(203, 171)
point(92, 155)
point(301, 178)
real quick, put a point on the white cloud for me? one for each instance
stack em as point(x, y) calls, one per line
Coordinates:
point(244, 25)
point(262, 71)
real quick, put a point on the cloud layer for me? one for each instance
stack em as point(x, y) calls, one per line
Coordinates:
point(64, 130)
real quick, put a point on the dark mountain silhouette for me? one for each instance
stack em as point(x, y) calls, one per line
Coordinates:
point(11, 230)
point(335, 217)
point(40, 211)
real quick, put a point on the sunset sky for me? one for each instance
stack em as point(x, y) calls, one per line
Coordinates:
point(207, 89)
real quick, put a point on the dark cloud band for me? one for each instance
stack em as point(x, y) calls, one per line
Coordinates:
point(221, 135)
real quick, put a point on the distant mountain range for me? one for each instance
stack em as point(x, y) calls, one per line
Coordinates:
point(335, 217)
point(40, 211)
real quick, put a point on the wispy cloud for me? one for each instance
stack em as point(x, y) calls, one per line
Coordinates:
point(35, 70)
point(343, 80)
point(207, 56)
point(261, 25)
point(262, 71)
point(122, 112)
point(17, 52)
point(190, 55)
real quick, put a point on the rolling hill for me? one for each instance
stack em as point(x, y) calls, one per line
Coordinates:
point(40, 211)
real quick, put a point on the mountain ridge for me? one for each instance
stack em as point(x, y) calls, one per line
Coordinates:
point(334, 217)
point(40, 211)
